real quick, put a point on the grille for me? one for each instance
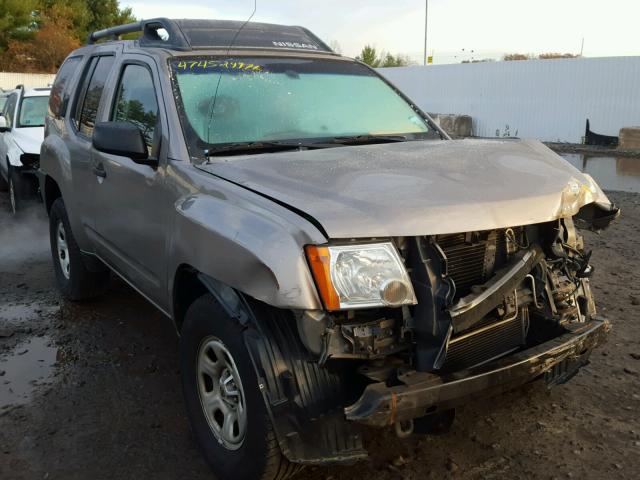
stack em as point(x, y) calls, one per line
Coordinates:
point(486, 343)
point(472, 257)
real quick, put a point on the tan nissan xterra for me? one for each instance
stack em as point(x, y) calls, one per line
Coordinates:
point(330, 258)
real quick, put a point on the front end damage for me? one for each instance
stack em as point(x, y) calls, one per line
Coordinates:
point(495, 309)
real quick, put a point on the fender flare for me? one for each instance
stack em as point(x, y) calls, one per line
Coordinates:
point(304, 400)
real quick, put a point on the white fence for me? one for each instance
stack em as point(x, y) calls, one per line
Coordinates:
point(545, 99)
point(9, 80)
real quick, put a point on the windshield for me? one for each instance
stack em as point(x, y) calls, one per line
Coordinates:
point(32, 111)
point(276, 99)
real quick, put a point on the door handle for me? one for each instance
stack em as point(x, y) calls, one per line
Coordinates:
point(99, 171)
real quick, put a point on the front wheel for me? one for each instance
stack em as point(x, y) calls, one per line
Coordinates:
point(21, 189)
point(224, 404)
point(4, 185)
point(73, 279)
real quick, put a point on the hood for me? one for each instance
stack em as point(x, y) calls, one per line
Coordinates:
point(418, 188)
point(28, 139)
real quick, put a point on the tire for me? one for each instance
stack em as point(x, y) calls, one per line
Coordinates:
point(77, 283)
point(257, 455)
point(4, 185)
point(21, 189)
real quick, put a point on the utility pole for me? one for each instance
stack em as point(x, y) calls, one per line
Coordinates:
point(426, 17)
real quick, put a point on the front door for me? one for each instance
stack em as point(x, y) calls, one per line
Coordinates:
point(131, 211)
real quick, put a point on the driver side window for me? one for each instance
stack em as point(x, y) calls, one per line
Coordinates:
point(136, 102)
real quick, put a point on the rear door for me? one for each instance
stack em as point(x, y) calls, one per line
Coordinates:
point(131, 201)
point(81, 122)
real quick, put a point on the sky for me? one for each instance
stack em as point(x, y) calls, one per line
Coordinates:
point(457, 29)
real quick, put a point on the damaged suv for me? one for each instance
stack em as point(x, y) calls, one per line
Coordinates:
point(21, 134)
point(330, 258)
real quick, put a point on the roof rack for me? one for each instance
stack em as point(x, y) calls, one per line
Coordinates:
point(195, 34)
point(150, 30)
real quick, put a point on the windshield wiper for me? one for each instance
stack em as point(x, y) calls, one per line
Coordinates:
point(364, 139)
point(239, 148)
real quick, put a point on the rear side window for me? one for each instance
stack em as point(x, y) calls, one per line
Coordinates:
point(136, 101)
point(65, 73)
point(86, 118)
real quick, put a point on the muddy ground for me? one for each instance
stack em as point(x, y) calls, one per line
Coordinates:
point(91, 391)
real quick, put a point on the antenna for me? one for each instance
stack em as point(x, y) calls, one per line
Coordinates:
point(215, 96)
point(255, 7)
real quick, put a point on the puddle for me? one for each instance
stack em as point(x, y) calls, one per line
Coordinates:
point(611, 173)
point(25, 312)
point(28, 366)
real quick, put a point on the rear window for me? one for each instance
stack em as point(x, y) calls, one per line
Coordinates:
point(66, 72)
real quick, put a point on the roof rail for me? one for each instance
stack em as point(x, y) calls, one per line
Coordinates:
point(150, 36)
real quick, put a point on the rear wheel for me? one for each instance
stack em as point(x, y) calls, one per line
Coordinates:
point(73, 279)
point(224, 403)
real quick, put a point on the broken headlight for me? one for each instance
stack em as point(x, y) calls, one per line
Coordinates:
point(360, 276)
point(576, 194)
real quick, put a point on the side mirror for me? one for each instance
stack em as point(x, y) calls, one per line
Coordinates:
point(123, 139)
point(3, 124)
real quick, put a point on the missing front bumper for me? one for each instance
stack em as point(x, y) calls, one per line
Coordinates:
point(422, 393)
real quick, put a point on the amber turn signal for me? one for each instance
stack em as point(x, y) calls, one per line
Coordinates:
point(320, 261)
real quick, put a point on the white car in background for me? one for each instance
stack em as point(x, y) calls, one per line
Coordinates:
point(21, 134)
point(3, 98)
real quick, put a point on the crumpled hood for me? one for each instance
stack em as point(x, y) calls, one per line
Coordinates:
point(29, 139)
point(418, 188)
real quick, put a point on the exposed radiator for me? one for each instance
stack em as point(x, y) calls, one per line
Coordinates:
point(472, 257)
point(487, 343)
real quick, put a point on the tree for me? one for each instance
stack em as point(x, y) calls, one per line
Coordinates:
point(369, 55)
point(48, 48)
point(480, 60)
point(542, 56)
point(36, 35)
point(547, 56)
point(107, 13)
point(517, 56)
point(335, 46)
point(16, 20)
point(396, 61)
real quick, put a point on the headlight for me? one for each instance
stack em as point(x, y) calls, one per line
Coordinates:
point(360, 276)
point(576, 194)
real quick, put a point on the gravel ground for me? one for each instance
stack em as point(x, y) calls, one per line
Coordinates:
point(91, 390)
